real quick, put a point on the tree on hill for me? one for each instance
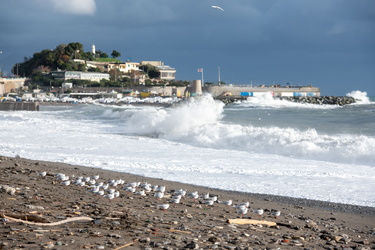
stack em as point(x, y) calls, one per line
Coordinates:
point(115, 54)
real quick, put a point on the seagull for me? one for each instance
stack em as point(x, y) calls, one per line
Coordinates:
point(133, 184)
point(228, 202)
point(66, 183)
point(109, 196)
point(42, 174)
point(181, 192)
point(81, 184)
point(159, 195)
point(147, 188)
point(217, 7)
point(62, 177)
point(246, 204)
point(242, 210)
point(160, 189)
point(214, 198)
point(206, 196)
point(175, 200)
point(275, 213)
point(92, 182)
point(141, 193)
point(193, 195)
point(259, 212)
point(95, 177)
point(164, 206)
point(130, 189)
point(100, 192)
point(208, 202)
point(95, 189)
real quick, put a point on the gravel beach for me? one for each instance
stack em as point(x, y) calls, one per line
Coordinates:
point(40, 212)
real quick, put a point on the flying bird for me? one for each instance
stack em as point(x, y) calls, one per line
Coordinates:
point(217, 7)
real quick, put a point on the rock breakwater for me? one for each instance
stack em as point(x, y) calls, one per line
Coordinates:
point(319, 100)
point(330, 100)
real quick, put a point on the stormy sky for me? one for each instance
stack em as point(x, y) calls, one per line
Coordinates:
point(326, 43)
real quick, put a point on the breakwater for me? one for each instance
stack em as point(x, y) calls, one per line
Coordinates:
point(13, 106)
point(319, 100)
point(330, 100)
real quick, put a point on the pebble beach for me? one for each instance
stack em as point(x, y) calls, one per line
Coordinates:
point(40, 211)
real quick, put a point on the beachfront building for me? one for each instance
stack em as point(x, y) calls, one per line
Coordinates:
point(9, 85)
point(78, 75)
point(166, 72)
point(126, 67)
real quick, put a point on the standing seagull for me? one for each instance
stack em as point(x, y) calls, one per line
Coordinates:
point(217, 7)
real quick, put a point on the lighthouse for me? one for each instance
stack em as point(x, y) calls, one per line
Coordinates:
point(93, 49)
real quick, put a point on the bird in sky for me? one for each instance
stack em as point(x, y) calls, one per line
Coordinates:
point(217, 7)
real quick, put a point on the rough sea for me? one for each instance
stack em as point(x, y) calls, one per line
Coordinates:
point(267, 146)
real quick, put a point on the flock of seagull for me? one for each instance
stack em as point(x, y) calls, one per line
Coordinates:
point(110, 190)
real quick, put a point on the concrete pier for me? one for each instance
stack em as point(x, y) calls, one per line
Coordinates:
point(14, 106)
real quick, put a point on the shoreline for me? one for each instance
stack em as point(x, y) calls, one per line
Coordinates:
point(136, 219)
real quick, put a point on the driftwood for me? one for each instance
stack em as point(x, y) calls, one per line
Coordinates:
point(179, 231)
point(127, 245)
point(48, 224)
point(28, 217)
point(253, 222)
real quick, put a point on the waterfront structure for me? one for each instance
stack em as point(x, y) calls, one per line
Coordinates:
point(251, 91)
point(78, 75)
point(9, 85)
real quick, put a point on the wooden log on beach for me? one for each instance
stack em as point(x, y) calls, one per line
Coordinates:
point(252, 222)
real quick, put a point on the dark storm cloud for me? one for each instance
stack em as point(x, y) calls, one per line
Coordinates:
point(325, 43)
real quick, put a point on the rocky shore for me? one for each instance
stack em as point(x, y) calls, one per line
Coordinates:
point(42, 209)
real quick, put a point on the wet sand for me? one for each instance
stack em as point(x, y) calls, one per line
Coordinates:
point(133, 221)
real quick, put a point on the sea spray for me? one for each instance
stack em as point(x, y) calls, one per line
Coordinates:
point(176, 122)
point(360, 96)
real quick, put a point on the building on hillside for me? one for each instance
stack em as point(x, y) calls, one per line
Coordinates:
point(126, 67)
point(78, 75)
point(166, 72)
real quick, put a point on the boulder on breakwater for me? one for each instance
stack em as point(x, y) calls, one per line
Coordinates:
point(330, 100)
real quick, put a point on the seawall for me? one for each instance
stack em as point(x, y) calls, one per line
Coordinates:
point(13, 106)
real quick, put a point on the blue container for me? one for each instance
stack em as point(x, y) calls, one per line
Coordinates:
point(247, 94)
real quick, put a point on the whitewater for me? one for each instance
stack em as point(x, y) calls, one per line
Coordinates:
point(262, 145)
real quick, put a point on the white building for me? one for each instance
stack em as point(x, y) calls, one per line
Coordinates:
point(126, 67)
point(78, 75)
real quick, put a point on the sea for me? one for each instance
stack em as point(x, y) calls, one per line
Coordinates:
point(262, 145)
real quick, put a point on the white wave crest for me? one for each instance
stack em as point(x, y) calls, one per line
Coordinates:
point(360, 96)
point(177, 122)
